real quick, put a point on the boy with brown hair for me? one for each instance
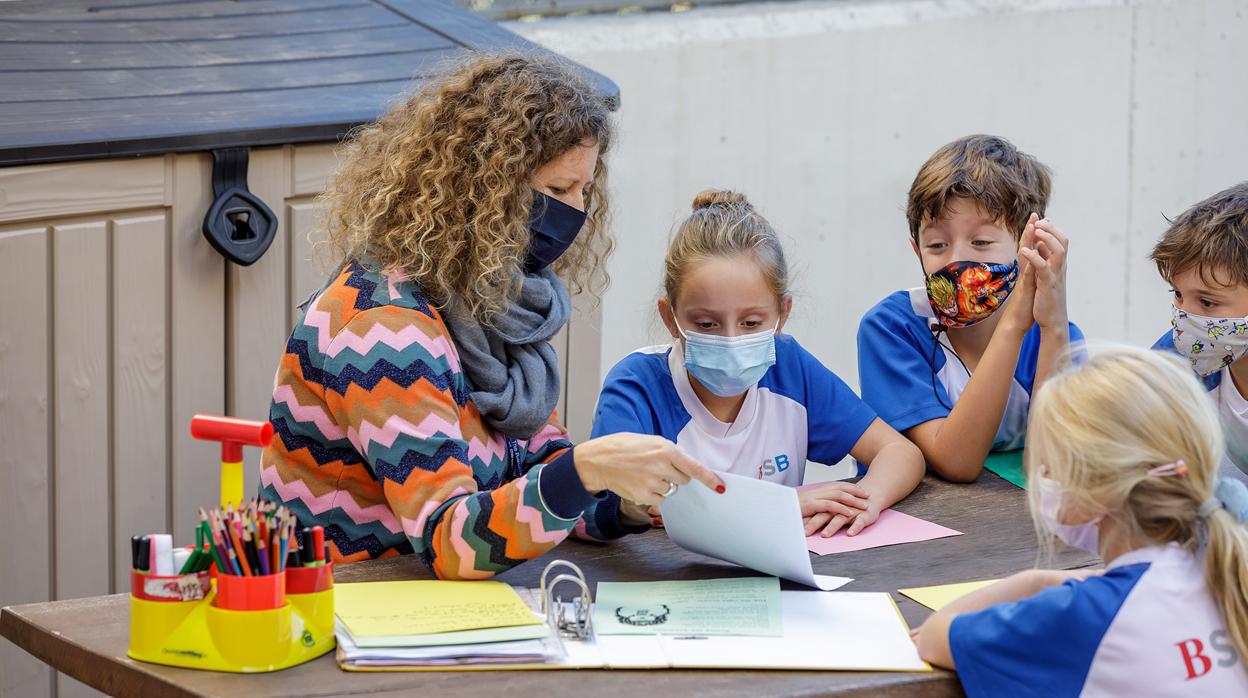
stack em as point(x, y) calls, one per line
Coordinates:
point(1204, 258)
point(995, 287)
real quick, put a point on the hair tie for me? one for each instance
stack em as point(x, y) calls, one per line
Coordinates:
point(1208, 506)
point(1178, 469)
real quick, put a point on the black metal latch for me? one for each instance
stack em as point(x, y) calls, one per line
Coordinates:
point(238, 225)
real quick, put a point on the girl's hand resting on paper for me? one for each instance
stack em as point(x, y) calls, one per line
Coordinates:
point(829, 507)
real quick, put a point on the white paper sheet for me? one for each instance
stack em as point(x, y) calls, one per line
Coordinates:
point(753, 523)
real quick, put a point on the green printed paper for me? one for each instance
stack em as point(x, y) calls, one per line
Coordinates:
point(744, 606)
point(1009, 466)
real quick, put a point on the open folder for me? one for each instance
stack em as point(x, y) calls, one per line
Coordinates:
point(754, 524)
point(841, 631)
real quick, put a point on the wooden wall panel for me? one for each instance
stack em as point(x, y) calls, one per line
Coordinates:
point(25, 367)
point(257, 302)
point(307, 271)
point(140, 383)
point(582, 369)
point(197, 343)
point(312, 167)
point(82, 380)
point(81, 355)
point(73, 188)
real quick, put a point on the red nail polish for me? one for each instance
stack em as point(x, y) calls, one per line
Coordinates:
point(719, 489)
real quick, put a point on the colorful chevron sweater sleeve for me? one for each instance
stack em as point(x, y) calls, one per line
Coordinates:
point(378, 441)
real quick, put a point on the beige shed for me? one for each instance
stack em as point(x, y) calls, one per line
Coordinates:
point(119, 320)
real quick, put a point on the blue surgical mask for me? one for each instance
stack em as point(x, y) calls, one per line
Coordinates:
point(729, 366)
point(554, 226)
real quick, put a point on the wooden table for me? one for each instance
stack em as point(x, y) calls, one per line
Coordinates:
point(87, 638)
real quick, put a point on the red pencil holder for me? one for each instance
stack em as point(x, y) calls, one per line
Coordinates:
point(244, 593)
point(309, 580)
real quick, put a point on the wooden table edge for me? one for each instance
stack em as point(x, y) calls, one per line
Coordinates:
point(78, 662)
point(127, 677)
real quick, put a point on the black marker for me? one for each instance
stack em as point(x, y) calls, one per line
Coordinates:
point(145, 554)
point(305, 547)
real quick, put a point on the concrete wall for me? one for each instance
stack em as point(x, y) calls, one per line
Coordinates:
point(821, 113)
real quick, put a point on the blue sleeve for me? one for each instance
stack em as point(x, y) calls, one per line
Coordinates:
point(623, 405)
point(1041, 646)
point(1029, 354)
point(896, 373)
point(835, 416)
point(1166, 342)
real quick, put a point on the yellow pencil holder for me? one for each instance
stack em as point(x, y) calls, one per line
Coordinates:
point(188, 621)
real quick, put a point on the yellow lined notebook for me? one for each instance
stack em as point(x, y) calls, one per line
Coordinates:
point(374, 609)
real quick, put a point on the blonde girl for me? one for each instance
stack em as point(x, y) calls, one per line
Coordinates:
point(738, 394)
point(1122, 455)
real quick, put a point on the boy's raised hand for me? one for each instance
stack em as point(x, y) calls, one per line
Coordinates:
point(1047, 257)
point(1019, 309)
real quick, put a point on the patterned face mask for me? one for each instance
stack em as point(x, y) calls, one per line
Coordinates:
point(964, 293)
point(1209, 343)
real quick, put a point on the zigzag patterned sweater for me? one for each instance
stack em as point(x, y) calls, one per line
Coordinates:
point(377, 440)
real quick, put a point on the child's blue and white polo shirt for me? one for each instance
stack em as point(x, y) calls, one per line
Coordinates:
point(799, 410)
point(909, 380)
point(1147, 627)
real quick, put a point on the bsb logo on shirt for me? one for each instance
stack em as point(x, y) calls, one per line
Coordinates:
point(1196, 657)
point(771, 466)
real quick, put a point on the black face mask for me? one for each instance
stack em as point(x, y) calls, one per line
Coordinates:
point(555, 226)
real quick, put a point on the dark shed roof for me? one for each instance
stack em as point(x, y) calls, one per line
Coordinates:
point(104, 78)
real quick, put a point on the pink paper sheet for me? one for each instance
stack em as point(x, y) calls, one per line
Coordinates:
point(891, 528)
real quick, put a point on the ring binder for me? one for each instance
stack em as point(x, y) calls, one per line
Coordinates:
point(571, 619)
point(850, 631)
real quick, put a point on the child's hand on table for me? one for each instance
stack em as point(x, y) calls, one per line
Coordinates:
point(831, 506)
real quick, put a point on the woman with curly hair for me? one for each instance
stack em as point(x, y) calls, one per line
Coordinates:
point(414, 404)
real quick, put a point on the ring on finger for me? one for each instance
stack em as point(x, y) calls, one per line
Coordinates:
point(671, 490)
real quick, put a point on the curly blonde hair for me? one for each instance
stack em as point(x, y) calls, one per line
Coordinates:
point(438, 189)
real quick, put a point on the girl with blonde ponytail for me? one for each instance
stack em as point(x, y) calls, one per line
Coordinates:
point(737, 393)
point(1122, 460)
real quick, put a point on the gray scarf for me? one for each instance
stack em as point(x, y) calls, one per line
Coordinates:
point(513, 371)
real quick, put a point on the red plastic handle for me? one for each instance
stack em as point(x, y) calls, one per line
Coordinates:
point(233, 433)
